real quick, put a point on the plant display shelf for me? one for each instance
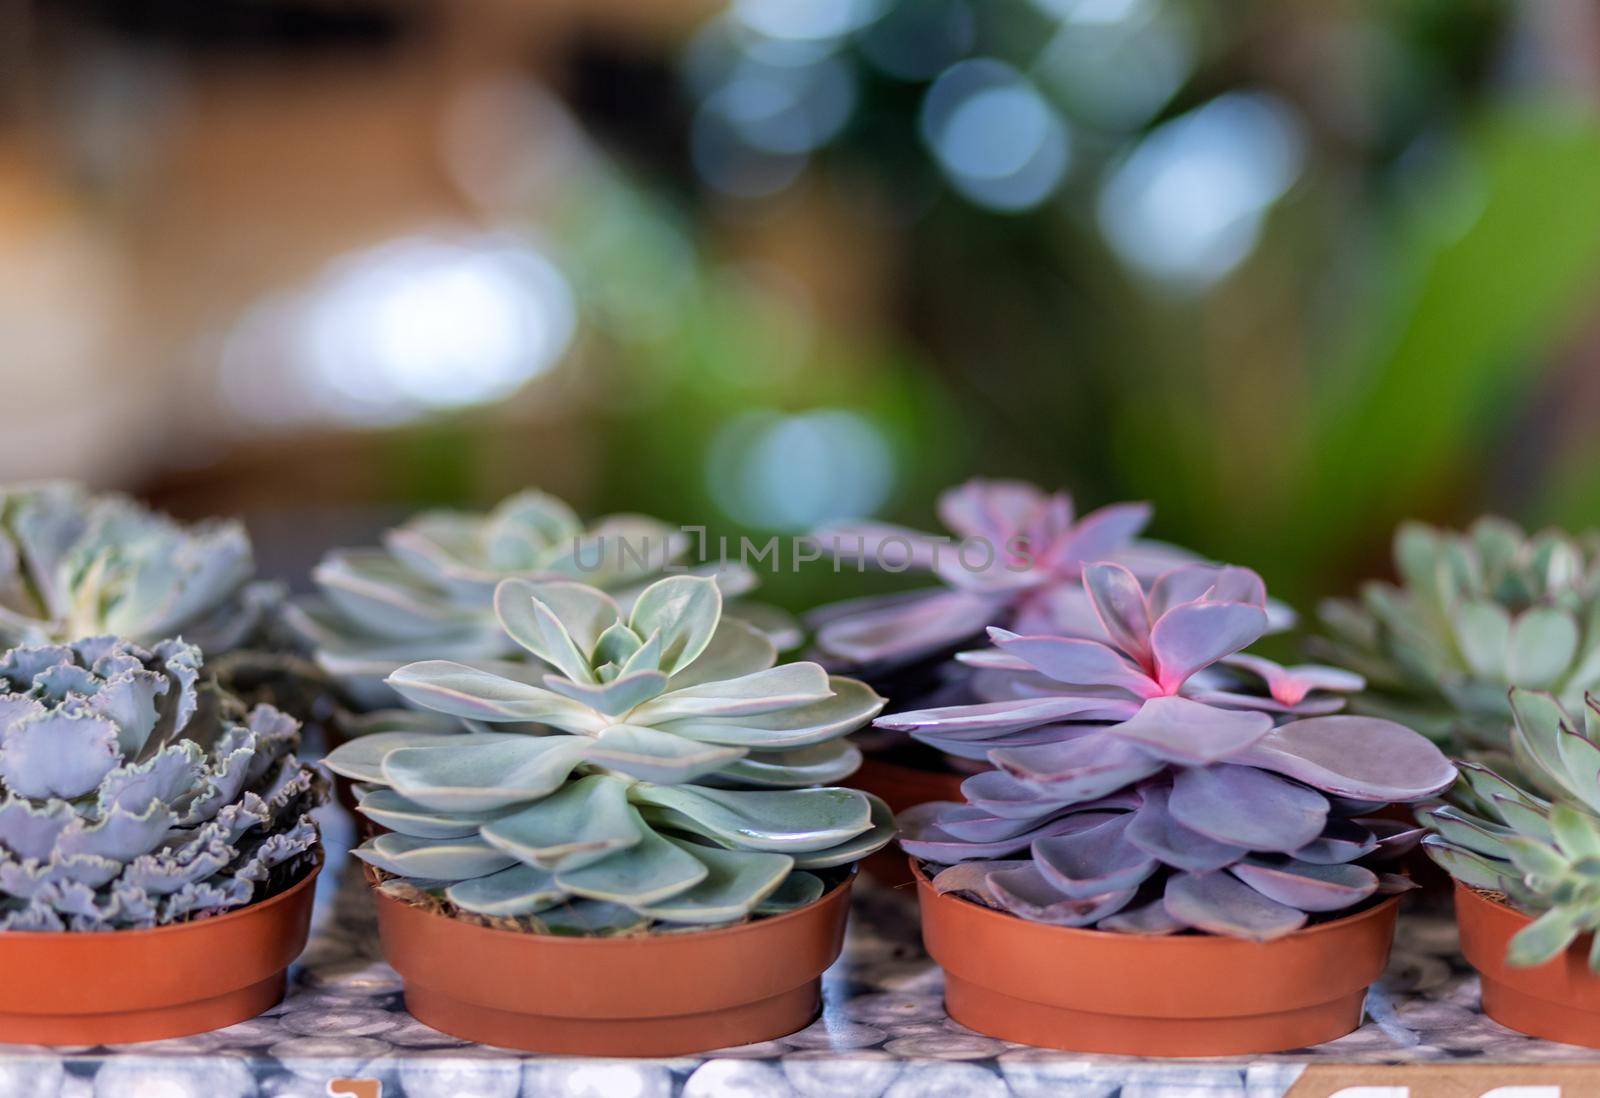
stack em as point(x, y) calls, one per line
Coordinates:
point(883, 1032)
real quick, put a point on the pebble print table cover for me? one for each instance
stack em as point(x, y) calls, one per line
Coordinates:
point(882, 1034)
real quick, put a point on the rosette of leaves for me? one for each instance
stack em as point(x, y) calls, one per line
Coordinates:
point(1161, 780)
point(653, 765)
point(79, 564)
point(1537, 844)
point(133, 796)
point(1014, 558)
point(1473, 615)
point(428, 591)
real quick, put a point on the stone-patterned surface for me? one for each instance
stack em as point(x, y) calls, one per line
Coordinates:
point(883, 1034)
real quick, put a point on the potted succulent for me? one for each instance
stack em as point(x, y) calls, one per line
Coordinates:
point(428, 591)
point(632, 850)
point(1170, 854)
point(1473, 615)
point(1523, 854)
point(1014, 558)
point(156, 846)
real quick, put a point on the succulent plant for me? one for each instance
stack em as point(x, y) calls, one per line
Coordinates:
point(1475, 613)
point(1538, 844)
point(1160, 779)
point(134, 795)
point(656, 765)
point(75, 564)
point(428, 592)
point(1021, 569)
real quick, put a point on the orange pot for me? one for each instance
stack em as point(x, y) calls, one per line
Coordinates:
point(646, 995)
point(1558, 1000)
point(901, 787)
point(119, 986)
point(1184, 995)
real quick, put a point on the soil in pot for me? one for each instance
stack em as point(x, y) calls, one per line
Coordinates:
point(1183, 995)
point(1558, 1000)
point(661, 994)
point(121, 986)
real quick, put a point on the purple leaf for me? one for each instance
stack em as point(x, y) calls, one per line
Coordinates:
point(1306, 886)
point(999, 794)
point(1290, 685)
point(1227, 699)
point(1000, 716)
point(1153, 830)
point(1152, 919)
point(1077, 662)
point(1218, 904)
point(993, 509)
point(1027, 893)
point(1118, 601)
point(971, 824)
point(1094, 861)
point(1221, 583)
point(1099, 535)
point(1184, 731)
point(1080, 769)
point(922, 836)
point(1195, 635)
point(1365, 758)
point(1394, 839)
point(1340, 841)
point(1247, 807)
point(879, 543)
point(909, 628)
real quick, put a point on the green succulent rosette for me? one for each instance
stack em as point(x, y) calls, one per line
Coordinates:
point(1474, 614)
point(640, 767)
point(1534, 840)
point(428, 590)
point(79, 564)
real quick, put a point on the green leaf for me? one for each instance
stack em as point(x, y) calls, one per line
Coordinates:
point(1470, 869)
point(1483, 633)
point(533, 622)
point(1543, 939)
point(485, 777)
point(684, 610)
point(477, 694)
point(1539, 718)
point(819, 764)
point(1577, 833)
point(1534, 858)
point(361, 759)
point(1580, 761)
point(736, 882)
point(647, 873)
point(1543, 643)
point(517, 890)
point(850, 705)
point(399, 813)
point(654, 756)
point(1478, 836)
point(799, 889)
point(789, 821)
point(875, 838)
point(615, 697)
point(736, 649)
point(581, 823)
point(433, 859)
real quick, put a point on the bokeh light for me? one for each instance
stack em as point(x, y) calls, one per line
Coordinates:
point(1185, 206)
point(773, 471)
point(996, 138)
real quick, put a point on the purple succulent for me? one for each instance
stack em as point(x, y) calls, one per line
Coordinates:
point(1014, 557)
point(1159, 779)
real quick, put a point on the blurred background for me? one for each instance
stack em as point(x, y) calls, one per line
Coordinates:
point(1289, 271)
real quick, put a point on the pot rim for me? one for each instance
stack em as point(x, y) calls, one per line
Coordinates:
point(630, 940)
point(1088, 934)
point(39, 937)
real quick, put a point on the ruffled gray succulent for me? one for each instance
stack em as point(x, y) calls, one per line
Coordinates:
point(1162, 780)
point(1537, 843)
point(1475, 614)
point(134, 795)
point(428, 591)
point(77, 564)
point(649, 766)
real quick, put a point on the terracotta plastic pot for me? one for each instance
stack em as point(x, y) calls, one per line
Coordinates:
point(1184, 995)
point(647, 995)
point(1558, 1000)
point(901, 787)
point(120, 986)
